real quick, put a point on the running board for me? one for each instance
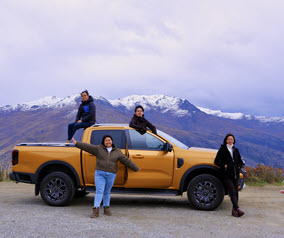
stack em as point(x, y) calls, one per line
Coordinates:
point(142, 191)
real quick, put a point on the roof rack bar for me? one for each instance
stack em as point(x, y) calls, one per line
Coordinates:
point(110, 124)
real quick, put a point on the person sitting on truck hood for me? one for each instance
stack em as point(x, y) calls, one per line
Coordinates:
point(107, 156)
point(140, 123)
point(86, 115)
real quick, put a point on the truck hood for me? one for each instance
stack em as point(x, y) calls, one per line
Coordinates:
point(202, 149)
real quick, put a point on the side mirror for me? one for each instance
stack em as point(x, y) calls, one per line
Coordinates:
point(168, 147)
point(244, 165)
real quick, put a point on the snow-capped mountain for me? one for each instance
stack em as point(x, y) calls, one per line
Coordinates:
point(177, 106)
point(162, 103)
point(46, 102)
point(241, 116)
point(159, 102)
point(46, 119)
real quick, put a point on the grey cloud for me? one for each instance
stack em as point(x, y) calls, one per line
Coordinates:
point(222, 55)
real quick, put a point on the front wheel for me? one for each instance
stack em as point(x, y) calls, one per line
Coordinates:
point(205, 192)
point(57, 189)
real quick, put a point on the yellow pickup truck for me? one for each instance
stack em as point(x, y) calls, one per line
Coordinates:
point(61, 171)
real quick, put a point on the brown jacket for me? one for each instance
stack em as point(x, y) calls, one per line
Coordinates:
point(107, 161)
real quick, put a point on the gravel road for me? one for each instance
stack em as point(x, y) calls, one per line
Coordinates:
point(24, 215)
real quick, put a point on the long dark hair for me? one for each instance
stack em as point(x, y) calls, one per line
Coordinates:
point(226, 137)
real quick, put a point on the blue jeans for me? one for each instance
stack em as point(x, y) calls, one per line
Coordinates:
point(73, 127)
point(104, 182)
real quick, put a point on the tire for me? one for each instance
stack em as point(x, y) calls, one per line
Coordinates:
point(80, 193)
point(205, 192)
point(57, 189)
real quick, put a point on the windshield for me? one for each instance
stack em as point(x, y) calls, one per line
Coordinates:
point(172, 139)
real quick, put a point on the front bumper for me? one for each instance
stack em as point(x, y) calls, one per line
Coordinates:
point(242, 184)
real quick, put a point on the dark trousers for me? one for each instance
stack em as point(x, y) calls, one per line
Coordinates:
point(233, 189)
point(73, 127)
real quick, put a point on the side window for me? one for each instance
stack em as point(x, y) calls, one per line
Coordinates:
point(78, 134)
point(118, 137)
point(144, 142)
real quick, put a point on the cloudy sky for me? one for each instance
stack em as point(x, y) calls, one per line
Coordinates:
point(223, 54)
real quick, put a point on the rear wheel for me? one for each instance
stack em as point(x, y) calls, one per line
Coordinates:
point(57, 189)
point(205, 192)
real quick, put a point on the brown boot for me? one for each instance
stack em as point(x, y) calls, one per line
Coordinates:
point(107, 211)
point(240, 212)
point(234, 213)
point(96, 212)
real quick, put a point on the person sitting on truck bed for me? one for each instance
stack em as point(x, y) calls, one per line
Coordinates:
point(140, 123)
point(86, 115)
point(107, 156)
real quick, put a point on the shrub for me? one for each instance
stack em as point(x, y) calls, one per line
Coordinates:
point(264, 174)
point(4, 172)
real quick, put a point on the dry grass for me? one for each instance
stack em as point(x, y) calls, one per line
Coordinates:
point(4, 172)
point(262, 175)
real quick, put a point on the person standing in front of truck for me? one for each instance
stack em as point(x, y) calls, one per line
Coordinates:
point(107, 156)
point(230, 162)
point(86, 115)
point(140, 123)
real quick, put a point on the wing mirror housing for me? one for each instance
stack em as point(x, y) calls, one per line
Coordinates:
point(168, 147)
point(244, 165)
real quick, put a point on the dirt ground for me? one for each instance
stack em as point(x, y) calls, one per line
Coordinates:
point(24, 215)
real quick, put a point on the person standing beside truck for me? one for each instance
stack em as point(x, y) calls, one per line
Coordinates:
point(86, 115)
point(140, 123)
point(107, 156)
point(229, 160)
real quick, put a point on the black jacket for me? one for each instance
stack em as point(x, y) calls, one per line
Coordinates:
point(234, 164)
point(141, 124)
point(87, 111)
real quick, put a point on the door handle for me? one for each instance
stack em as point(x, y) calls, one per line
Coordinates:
point(138, 156)
point(89, 154)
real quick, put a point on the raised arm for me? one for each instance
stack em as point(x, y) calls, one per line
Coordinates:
point(92, 149)
point(128, 162)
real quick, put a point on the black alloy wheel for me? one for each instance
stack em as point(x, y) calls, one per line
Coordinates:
point(205, 192)
point(57, 189)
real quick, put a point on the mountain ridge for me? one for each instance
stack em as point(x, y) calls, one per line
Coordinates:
point(159, 101)
point(47, 120)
